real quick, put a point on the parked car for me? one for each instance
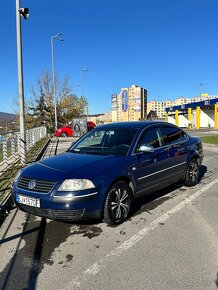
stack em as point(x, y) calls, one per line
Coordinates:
point(107, 169)
point(67, 131)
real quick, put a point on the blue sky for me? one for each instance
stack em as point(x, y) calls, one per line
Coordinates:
point(168, 47)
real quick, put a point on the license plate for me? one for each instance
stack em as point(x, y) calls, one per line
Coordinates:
point(31, 201)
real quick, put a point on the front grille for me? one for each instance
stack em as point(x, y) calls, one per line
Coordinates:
point(43, 186)
point(68, 214)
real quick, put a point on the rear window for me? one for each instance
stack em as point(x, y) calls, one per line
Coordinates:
point(172, 135)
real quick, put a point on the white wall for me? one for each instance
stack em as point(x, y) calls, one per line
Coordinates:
point(205, 120)
point(183, 121)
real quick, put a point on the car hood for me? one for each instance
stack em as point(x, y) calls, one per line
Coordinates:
point(68, 164)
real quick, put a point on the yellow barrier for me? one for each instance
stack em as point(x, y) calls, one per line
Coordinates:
point(198, 118)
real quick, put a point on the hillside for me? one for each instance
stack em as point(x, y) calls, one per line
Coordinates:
point(7, 117)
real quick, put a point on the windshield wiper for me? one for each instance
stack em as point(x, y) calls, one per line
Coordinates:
point(96, 152)
point(77, 151)
point(90, 152)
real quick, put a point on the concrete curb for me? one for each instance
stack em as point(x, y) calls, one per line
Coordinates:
point(210, 145)
point(42, 152)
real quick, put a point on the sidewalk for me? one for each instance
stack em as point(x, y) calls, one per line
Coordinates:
point(58, 145)
point(51, 149)
point(65, 143)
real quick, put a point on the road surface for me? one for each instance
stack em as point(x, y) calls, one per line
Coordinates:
point(169, 242)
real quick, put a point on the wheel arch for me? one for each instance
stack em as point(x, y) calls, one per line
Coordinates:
point(193, 155)
point(126, 179)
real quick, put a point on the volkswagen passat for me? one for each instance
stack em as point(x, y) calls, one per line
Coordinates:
point(104, 171)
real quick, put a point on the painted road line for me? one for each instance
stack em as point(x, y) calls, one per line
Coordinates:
point(95, 268)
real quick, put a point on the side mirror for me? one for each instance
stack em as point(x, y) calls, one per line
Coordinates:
point(146, 148)
point(97, 134)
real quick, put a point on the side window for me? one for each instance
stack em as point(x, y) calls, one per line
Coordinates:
point(172, 135)
point(150, 137)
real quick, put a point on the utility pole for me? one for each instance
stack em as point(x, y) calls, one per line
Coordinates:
point(21, 12)
point(57, 37)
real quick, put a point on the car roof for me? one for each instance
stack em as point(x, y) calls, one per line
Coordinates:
point(132, 124)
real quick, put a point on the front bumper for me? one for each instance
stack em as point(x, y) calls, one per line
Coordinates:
point(60, 214)
point(80, 208)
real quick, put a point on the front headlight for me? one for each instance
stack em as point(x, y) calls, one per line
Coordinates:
point(76, 184)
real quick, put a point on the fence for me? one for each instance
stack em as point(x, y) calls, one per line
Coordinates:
point(10, 146)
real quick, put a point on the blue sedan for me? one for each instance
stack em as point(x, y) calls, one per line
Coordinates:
point(102, 174)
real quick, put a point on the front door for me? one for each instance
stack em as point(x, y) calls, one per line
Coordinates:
point(151, 168)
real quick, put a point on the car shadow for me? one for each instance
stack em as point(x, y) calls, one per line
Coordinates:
point(203, 170)
point(150, 201)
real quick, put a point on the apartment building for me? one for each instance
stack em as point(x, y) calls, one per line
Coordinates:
point(159, 107)
point(129, 105)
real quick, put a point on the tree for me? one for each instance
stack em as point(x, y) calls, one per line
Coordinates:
point(71, 107)
point(40, 108)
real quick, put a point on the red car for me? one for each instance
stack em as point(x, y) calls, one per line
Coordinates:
point(67, 131)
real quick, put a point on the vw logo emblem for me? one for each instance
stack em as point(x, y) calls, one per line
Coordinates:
point(32, 184)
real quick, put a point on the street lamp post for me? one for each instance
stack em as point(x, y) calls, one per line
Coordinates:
point(21, 12)
point(57, 37)
point(75, 88)
point(82, 71)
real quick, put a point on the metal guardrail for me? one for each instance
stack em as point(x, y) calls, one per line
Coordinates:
point(10, 146)
point(6, 203)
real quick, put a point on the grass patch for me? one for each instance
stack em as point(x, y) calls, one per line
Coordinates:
point(213, 139)
point(36, 149)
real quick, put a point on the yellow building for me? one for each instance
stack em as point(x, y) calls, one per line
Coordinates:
point(130, 104)
point(159, 107)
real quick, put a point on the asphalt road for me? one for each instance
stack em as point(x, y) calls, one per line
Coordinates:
point(169, 242)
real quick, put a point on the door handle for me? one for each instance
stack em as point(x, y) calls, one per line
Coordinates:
point(154, 158)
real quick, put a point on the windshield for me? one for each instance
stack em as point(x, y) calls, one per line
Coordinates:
point(105, 141)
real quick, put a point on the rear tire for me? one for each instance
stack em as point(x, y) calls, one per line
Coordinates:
point(64, 134)
point(192, 173)
point(118, 203)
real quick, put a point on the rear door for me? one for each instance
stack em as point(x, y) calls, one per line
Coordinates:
point(174, 142)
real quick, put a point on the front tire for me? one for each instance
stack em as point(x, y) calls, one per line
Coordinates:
point(192, 173)
point(118, 203)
